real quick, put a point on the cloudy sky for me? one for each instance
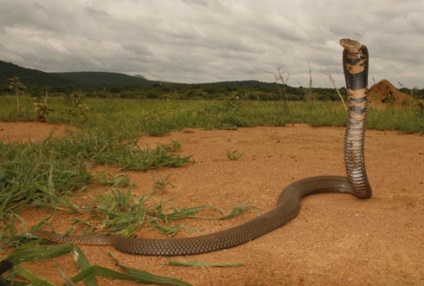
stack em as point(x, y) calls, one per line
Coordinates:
point(194, 41)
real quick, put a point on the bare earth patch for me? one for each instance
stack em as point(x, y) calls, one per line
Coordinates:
point(336, 239)
point(28, 132)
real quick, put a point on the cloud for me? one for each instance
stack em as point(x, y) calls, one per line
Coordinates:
point(204, 41)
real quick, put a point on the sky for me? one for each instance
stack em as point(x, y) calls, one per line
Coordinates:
point(197, 41)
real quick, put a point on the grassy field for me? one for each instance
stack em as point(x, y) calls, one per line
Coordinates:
point(159, 117)
point(47, 174)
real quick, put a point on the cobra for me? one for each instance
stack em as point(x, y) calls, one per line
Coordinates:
point(355, 66)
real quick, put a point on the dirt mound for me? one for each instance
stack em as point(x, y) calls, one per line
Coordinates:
point(384, 94)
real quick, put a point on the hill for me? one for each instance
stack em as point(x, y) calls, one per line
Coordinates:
point(381, 93)
point(36, 78)
point(96, 79)
point(30, 77)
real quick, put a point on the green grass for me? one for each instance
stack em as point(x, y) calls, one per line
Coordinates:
point(35, 251)
point(47, 174)
point(132, 117)
point(405, 121)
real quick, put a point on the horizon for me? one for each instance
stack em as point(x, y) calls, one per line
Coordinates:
point(210, 82)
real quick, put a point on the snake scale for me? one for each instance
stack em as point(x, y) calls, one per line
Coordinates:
point(355, 66)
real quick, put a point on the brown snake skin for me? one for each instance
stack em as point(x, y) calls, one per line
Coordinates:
point(355, 66)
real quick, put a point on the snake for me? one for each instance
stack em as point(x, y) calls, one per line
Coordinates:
point(355, 67)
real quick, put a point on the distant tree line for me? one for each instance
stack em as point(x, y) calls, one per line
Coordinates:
point(107, 84)
point(228, 90)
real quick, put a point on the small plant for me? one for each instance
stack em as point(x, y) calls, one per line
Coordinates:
point(17, 87)
point(161, 184)
point(174, 146)
point(115, 181)
point(78, 108)
point(236, 211)
point(235, 155)
point(41, 108)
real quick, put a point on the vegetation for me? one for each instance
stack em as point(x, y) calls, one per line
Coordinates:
point(47, 174)
point(235, 155)
point(115, 85)
point(104, 128)
point(133, 117)
point(36, 250)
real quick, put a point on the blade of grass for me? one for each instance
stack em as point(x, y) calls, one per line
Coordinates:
point(169, 230)
point(82, 263)
point(202, 264)
point(148, 277)
point(28, 252)
point(137, 276)
point(23, 272)
point(189, 212)
point(237, 211)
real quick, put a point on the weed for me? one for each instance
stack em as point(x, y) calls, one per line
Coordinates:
point(237, 211)
point(45, 174)
point(161, 184)
point(78, 107)
point(20, 111)
point(114, 181)
point(235, 155)
point(41, 108)
point(121, 212)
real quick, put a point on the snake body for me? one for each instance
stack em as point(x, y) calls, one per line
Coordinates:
point(355, 65)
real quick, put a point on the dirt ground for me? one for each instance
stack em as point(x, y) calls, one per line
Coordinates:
point(336, 239)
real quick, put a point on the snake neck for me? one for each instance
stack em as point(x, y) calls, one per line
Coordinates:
point(355, 64)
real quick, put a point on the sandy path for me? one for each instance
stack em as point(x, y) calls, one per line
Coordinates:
point(335, 240)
